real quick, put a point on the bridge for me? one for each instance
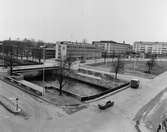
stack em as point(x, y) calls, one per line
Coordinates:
point(35, 67)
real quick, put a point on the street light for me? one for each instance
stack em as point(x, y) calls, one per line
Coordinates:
point(3, 48)
point(134, 63)
point(17, 105)
point(43, 78)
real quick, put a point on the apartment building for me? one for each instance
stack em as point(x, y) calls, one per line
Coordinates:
point(77, 50)
point(112, 47)
point(150, 47)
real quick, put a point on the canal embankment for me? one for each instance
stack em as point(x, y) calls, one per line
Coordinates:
point(84, 87)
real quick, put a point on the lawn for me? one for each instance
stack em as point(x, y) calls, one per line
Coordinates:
point(138, 67)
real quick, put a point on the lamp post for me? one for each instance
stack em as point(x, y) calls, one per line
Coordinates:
point(3, 48)
point(134, 67)
point(17, 105)
point(43, 77)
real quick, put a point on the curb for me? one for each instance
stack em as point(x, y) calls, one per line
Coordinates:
point(9, 105)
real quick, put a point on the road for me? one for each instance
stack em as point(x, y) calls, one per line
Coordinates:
point(43, 117)
point(121, 117)
point(37, 111)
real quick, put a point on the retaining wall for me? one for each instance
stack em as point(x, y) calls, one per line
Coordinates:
point(103, 93)
point(99, 83)
point(17, 76)
point(23, 86)
point(69, 93)
point(87, 98)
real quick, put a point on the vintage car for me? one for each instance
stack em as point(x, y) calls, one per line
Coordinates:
point(134, 83)
point(107, 105)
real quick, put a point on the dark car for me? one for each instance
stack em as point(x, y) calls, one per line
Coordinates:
point(135, 83)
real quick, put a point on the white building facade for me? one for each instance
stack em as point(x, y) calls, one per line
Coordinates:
point(112, 47)
point(76, 50)
point(150, 47)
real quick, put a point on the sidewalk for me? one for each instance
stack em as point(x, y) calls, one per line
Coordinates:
point(119, 118)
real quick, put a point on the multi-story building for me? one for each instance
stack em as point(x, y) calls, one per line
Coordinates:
point(76, 50)
point(112, 47)
point(49, 53)
point(150, 47)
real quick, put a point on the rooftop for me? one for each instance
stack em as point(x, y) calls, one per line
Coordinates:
point(149, 43)
point(109, 41)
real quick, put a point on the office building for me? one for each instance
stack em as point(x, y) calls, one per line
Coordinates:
point(77, 50)
point(113, 48)
point(150, 47)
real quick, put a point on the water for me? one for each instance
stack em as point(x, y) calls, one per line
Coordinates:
point(83, 89)
point(74, 86)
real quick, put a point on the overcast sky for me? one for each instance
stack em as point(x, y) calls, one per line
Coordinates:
point(54, 20)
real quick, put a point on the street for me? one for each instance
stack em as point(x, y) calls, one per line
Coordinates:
point(44, 117)
point(36, 110)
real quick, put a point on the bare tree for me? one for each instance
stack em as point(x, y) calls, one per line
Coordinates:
point(117, 66)
point(11, 62)
point(105, 56)
point(37, 53)
point(113, 55)
point(63, 71)
point(9, 59)
point(69, 60)
point(150, 64)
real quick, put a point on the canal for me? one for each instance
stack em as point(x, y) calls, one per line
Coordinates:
point(71, 85)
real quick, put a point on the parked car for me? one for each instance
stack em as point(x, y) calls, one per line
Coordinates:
point(134, 83)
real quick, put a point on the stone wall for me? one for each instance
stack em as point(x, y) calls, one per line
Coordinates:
point(105, 84)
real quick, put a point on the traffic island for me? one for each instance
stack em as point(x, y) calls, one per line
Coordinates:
point(11, 106)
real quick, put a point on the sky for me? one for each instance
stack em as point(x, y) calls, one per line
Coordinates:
point(75, 20)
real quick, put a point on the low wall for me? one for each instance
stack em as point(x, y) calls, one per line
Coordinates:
point(30, 74)
point(23, 86)
point(103, 93)
point(105, 76)
point(99, 83)
point(17, 76)
point(87, 98)
point(67, 92)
